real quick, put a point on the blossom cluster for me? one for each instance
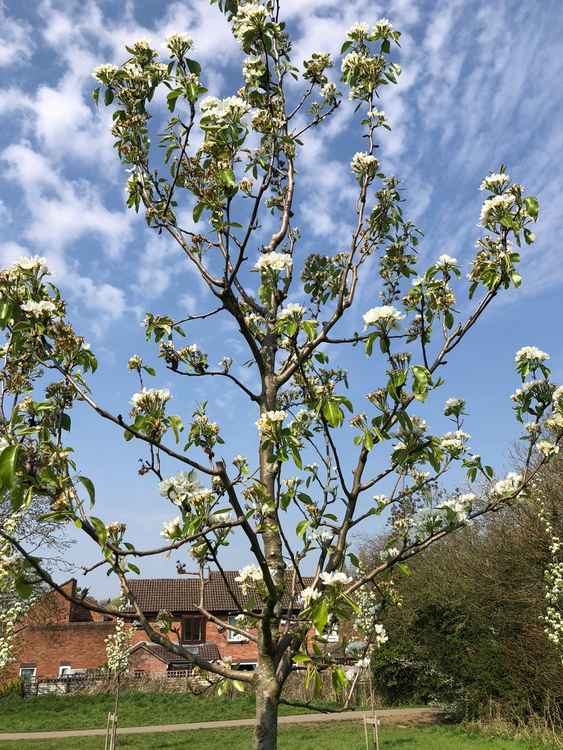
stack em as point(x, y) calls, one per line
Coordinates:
point(149, 400)
point(233, 108)
point(364, 165)
point(454, 407)
point(171, 529)
point(274, 261)
point(495, 208)
point(508, 486)
point(269, 419)
point(494, 182)
point(117, 647)
point(386, 316)
point(249, 576)
point(336, 578)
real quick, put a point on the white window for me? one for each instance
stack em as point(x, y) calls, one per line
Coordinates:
point(64, 669)
point(233, 637)
point(28, 673)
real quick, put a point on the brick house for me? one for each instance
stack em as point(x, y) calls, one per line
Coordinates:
point(58, 637)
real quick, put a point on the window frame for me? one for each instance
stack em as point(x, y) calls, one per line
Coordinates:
point(232, 636)
point(27, 669)
point(192, 619)
point(65, 669)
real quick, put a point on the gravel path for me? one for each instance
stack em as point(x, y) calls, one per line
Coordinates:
point(387, 716)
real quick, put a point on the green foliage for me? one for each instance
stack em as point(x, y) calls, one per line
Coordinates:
point(11, 688)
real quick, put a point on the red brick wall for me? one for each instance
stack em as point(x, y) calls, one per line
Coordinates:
point(245, 651)
point(142, 660)
point(47, 647)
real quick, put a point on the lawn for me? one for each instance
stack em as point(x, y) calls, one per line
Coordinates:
point(337, 736)
point(51, 712)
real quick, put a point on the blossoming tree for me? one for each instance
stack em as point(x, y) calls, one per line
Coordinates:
point(230, 161)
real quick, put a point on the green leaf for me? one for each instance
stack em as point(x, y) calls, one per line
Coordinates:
point(310, 328)
point(90, 489)
point(320, 615)
point(172, 98)
point(301, 658)
point(193, 66)
point(198, 210)
point(177, 426)
point(333, 413)
point(134, 568)
point(238, 685)
point(404, 568)
point(302, 527)
point(96, 95)
point(8, 459)
point(227, 177)
point(421, 382)
point(65, 422)
point(24, 589)
point(108, 97)
point(532, 206)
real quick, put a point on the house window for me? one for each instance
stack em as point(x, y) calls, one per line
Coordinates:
point(193, 630)
point(64, 669)
point(233, 637)
point(28, 673)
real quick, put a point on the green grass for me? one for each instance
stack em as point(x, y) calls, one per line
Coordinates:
point(338, 736)
point(54, 712)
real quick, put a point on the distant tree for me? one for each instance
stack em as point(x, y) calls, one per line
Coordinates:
point(234, 161)
point(473, 617)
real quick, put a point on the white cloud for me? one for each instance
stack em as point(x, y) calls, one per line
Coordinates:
point(63, 211)
point(16, 43)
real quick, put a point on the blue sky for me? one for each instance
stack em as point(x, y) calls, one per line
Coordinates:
point(480, 86)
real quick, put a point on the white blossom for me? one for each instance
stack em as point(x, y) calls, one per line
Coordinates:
point(453, 406)
point(250, 17)
point(389, 553)
point(364, 164)
point(508, 486)
point(231, 108)
point(385, 315)
point(381, 636)
point(491, 205)
point(309, 595)
point(170, 529)
point(530, 354)
point(179, 43)
point(445, 261)
point(358, 31)
point(383, 27)
point(269, 419)
point(105, 73)
point(274, 262)
point(30, 263)
point(335, 578)
point(547, 448)
point(557, 394)
point(149, 398)
point(291, 310)
point(37, 309)
point(248, 575)
point(495, 181)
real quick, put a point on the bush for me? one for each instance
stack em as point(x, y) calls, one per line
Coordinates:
point(11, 687)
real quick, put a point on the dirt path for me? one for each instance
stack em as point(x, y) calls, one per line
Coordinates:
point(387, 716)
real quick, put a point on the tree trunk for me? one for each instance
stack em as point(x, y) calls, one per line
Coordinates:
point(267, 704)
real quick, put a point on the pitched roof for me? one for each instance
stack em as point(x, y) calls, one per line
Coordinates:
point(207, 650)
point(183, 594)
